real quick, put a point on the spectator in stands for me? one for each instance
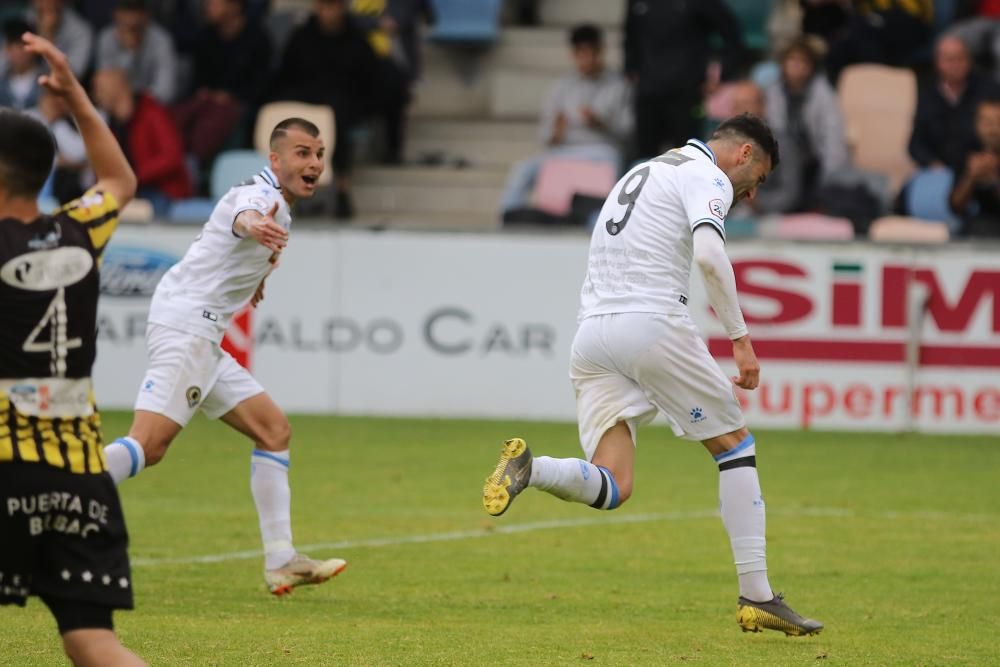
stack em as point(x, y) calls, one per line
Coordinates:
point(667, 50)
point(824, 18)
point(97, 13)
point(398, 24)
point(944, 124)
point(976, 23)
point(587, 116)
point(782, 191)
point(803, 110)
point(232, 58)
point(976, 195)
point(148, 136)
point(392, 94)
point(136, 45)
point(19, 87)
point(889, 32)
point(71, 167)
point(328, 61)
point(67, 30)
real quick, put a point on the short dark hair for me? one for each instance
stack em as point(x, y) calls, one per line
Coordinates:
point(14, 29)
point(806, 46)
point(748, 126)
point(281, 129)
point(586, 34)
point(27, 151)
point(131, 6)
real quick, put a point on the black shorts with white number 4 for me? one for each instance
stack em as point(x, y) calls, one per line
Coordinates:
point(63, 536)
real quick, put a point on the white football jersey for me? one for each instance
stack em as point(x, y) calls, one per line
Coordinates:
point(220, 271)
point(641, 248)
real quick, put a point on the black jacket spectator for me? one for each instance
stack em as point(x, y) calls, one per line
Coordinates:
point(321, 67)
point(667, 43)
point(943, 131)
point(241, 66)
point(667, 50)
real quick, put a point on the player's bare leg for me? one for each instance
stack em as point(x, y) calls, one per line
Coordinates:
point(145, 445)
point(260, 419)
point(743, 514)
point(98, 647)
point(604, 483)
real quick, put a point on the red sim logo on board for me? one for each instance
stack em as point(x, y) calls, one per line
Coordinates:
point(238, 340)
point(771, 281)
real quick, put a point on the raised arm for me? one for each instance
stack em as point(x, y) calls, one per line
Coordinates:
point(114, 175)
point(720, 283)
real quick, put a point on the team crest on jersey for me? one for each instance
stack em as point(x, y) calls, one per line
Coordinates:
point(719, 183)
point(717, 208)
point(193, 396)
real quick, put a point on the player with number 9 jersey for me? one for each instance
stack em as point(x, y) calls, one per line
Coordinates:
point(637, 352)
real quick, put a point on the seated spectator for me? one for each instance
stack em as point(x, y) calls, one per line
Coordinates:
point(328, 61)
point(943, 127)
point(889, 32)
point(67, 30)
point(232, 57)
point(587, 116)
point(976, 195)
point(824, 18)
point(19, 87)
point(148, 136)
point(142, 49)
point(71, 168)
point(782, 191)
point(802, 108)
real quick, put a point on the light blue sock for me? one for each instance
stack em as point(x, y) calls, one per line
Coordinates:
point(125, 458)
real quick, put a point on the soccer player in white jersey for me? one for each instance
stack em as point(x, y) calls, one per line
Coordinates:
point(192, 307)
point(637, 352)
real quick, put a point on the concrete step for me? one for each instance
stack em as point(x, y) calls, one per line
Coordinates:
point(547, 48)
point(520, 94)
point(430, 177)
point(570, 12)
point(384, 198)
point(488, 153)
point(481, 143)
point(454, 84)
point(464, 128)
point(486, 221)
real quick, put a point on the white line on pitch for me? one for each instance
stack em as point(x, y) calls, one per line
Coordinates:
point(505, 529)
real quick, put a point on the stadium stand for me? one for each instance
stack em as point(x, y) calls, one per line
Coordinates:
point(463, 22)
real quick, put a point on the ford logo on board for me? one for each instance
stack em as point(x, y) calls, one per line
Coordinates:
point(133, 271)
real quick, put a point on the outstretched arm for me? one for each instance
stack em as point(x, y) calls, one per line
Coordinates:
point(114, 175)
point(720, 282)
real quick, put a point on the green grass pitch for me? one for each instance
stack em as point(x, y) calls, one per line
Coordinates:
point(892, 541)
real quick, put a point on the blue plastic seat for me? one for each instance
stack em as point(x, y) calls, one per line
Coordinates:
point(466, 21)
point(927, 195)
point(230, 168)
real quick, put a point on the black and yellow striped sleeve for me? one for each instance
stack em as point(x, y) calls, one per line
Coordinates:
point(97, 211)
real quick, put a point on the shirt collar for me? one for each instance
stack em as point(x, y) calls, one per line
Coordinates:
point(704, 148)
point(270, 178)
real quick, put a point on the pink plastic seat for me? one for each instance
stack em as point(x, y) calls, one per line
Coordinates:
point(560, 178)
point(900, 229)
point(814, 227)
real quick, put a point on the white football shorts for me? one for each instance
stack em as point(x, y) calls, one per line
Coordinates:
point(630, 366)
point(188, 373)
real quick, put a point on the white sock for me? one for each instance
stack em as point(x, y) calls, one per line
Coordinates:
point(273, 498)
point(742, 508)
point(575, 480)
point(125, 459)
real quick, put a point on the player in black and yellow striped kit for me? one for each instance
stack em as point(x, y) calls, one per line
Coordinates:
point(62, 531)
